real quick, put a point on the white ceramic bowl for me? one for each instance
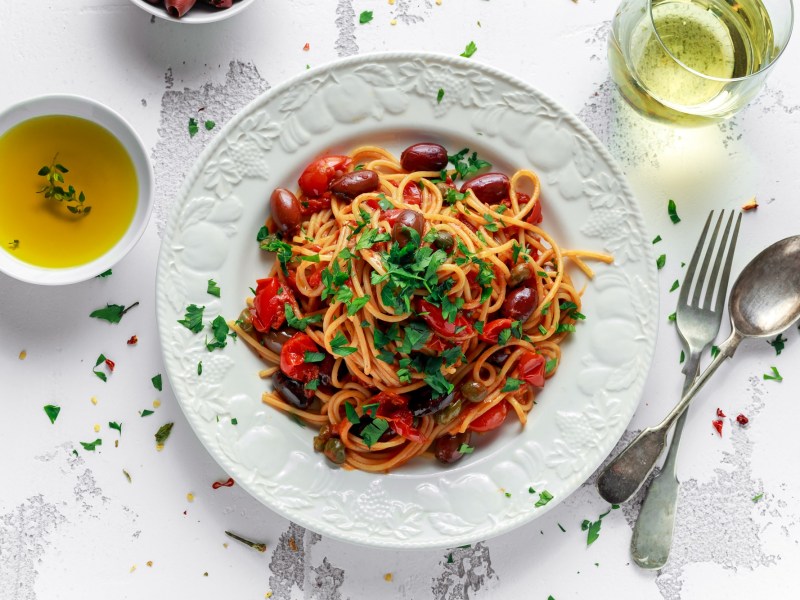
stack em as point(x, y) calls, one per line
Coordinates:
point(199, 14)
point(78, 106)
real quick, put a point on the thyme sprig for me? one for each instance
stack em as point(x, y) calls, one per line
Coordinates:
point(55, 188)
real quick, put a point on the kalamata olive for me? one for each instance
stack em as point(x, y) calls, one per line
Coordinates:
point(499, 358)
point(325, 433)
point(407, 219)
point(446, 447)
point(274, 339)
point(520, 304)
point(285, 210)
point(350, 185)
point(449, 413)
point(422, 402)
point(424, 157)
point(292, 390)
point(474, 391)
point(245, 320)
point(334, 450)
point(444, 240)
point(522, 272)
point(491, 188)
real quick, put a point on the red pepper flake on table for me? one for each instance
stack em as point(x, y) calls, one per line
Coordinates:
point(742, 420)
point(132, 341)
point(718, 426)
point(218, 484)
point(720, 413)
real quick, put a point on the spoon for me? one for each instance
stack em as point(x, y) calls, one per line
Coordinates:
point(764, 301)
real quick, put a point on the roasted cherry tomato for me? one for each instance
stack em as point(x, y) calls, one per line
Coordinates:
point(458, 331)
point(531, 368)
point(309, 206)
point(491, 419)
point(535, 216)
point(318, 175)
point(271, 297)
point(293, 362)
point(392, 215)
point(394, 408)
point(437, 344)
point(492, 329)
point(412, 194)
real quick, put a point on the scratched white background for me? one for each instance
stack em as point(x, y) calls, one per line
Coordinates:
point(73, 527)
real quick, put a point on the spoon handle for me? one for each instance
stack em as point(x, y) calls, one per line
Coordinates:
point(624, 475)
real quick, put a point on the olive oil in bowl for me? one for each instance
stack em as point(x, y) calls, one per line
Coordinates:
point(60, 233)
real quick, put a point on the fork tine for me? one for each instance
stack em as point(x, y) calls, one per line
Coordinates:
point(712, 247)
point(726, 271)
point(689, 277)
point(720, 253)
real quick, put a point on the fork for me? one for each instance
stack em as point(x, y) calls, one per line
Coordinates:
point(699, 324)
point(697, 327)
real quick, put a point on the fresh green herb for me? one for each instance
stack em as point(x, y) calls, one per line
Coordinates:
point(103, 275)
point(356, 305)
point(262, 234)
point(115, 425)
point(282, 250)
point(507, 494)
point(145, 413)
point(714, 351)
point(112, 313)
point(415, 336)
point(371, 409)
point(673, 212)
point(593, 529)
point(452, 355)
point(200, 368)
point(344, 294)
point(350, 412)
point(219, 329)
point(314, 258)
point(675, 286)
point(52, 412)
point(193, 127)
point(544, 498)
point(469, 50)
point(518, 250)
point(479, 325)
point(358, 167)
point(656, 239)
point(470, 166)
point(504, 336)
point(439, 96)
point(550, 365)
point(542, 329)
point(545, 308)
point(452, 196)
point(531, 490)
point(683, 357)
point(757, 497)
point(512, 385)
point(313, 357)
point(372, 432)
point(365, 324)
point(371, 236)
point(340, 347)
point(296, 323)
point(90, 446)
point(466, 449)
point(100, 360)
point(312, 385)
point(672, 317)
point(450, 559)
point(234, 421)
point(565, 327)
point(209, 125)
point(775, 375)
point(384, 202)
point(778, 343)
point(193, 320)
point(365, 17)
point(163, 433)
point(213, 288)
point(661, 261)
point(55, 189)
point(157, 382)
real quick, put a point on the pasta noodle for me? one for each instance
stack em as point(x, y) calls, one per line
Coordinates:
point(420, 313)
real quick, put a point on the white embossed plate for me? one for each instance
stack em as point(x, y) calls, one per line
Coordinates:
point(390, 99)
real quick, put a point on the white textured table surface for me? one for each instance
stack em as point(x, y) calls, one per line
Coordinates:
point(74, 527)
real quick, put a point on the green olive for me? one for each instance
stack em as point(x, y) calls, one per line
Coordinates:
point(474, 391)
point(334, 450)
point(444, 241)
point(520, 273)
point(322, 438)
point(245, 320)
point(449, 413)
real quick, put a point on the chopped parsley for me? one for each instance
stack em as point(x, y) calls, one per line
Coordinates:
point(145, 413)
point(467, 165)
point(116, 426)
point(512, 385)
point(469, 50)
point(194, 127)
point(213, 288)
point(372, 432)
point(163, 433)
point(350, 412)
point(661, 261)
point(156, 380)
point(209, 125)
point(90, 446)
point(193, 320)
point(672, 317)
point(356, 305)
point(340, 347)
point(683, 357)
point(219, 329)
point(313, 357)
point(673, 211)
point(466, 449)
point(296, 323)
point(365, 17)
point(52, 412)
point(312, 385)
point(544, 498)
point(200, 368)
point(112, 313)
point(775, 375)
point(100, 375)
point(550, 365)
point(757, 497)
point(656, 239)
point(778, 343)
point(439, 96)
point(479, 325)
point(675, 286)
point(714, 351)
point(282, 250)
point(593, 528)
point(103, 275)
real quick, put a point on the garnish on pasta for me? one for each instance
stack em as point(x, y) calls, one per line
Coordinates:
point(407, 312)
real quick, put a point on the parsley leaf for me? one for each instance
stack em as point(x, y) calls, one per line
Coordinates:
point(466, 449)
point(512, 385)
point(778, 343)
point(219, 329)
point(157, 381)
point(439, 96)
point(351, 414)
point(146, 413)
point(372, 432)
point(673, 211)
point(775, 375)
point(90, 446)
point(469, 50)
point(415, 335)
point(163, 433)
point(470, 166)
point(661, 261)
point(213, 288)
point(550, 365)
point(193, 127)
point(52, 412)
point(193, 321)
point(313, 357)
point(656, 239)
point(675, 286)
point(340, 347)
point(296, 323)
point(115, 425)
point(544, 498)
point(112, 313)
point(356, 305)
point(452, 355)
point(365, 17)
point(209, 125)
point(282, 250)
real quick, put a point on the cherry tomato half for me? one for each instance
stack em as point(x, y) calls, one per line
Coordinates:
point(412, 194)
point(394, 408)
point(271, 297)
point(293, 362)
point(318, 175)
point(531, 368)
point(309, 206)
point(491, 419)
point(492, 329)
point(457, 331)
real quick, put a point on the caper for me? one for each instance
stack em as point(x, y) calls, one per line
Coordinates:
point(449, 413)
point(245, 320)
point(444, 240)
point(522, 272)
point(474, 391)
point(325, 433)
point(334, 450)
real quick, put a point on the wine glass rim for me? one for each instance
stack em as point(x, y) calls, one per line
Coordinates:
point(723, 79)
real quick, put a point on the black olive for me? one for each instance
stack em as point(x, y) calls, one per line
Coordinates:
point(422, 402)
point(292, 390)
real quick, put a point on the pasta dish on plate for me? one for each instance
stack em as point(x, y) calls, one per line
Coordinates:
point(413, 303)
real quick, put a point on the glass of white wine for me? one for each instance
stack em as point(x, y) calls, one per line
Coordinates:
point(694, 62)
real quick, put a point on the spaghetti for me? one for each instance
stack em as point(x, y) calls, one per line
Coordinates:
point(405, 313)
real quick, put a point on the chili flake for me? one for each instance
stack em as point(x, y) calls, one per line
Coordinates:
point(718, 426)
point(110, 364)
point(132, 341)
point(742, 420)
point(307, 47)
point(218, 484)
point(720, 413)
